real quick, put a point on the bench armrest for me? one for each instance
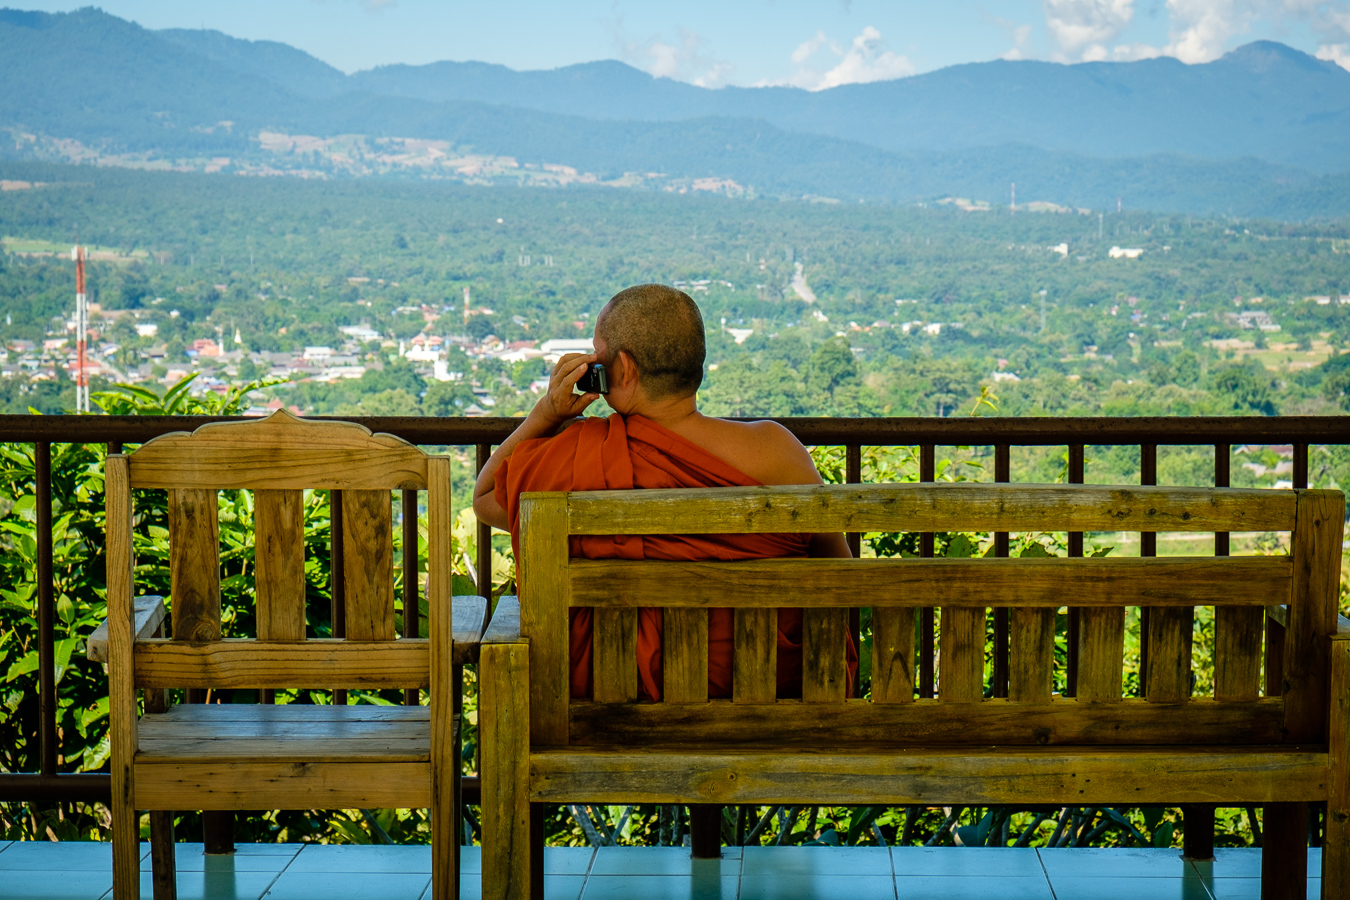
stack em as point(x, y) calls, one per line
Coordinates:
point(149, 617)
point(469, 615)
point(1280, 614)
point(505, 625)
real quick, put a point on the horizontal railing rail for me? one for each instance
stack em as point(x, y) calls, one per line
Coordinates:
point(47, 785)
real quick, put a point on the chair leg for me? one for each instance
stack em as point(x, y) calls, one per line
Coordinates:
point(1336, 832)
point(537, 851)
point(162, 862)
point(504, 739)
point(126, 834)
point(1284, 852)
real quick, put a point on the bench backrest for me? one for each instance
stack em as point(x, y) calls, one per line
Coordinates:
point(278, 458)
point(1239, 588)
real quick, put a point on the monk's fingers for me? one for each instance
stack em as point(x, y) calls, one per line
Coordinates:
point(567, 361)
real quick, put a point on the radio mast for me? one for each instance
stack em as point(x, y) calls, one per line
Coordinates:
point(81, 332)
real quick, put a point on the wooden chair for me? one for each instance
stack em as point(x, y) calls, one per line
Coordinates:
point(258, 756)
point(1281, 751)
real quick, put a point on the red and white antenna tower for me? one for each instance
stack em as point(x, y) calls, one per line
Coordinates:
point(81, 333)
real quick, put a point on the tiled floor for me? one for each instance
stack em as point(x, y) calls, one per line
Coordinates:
point(82, 871)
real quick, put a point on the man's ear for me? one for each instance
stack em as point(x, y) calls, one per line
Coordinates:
point(627, 370)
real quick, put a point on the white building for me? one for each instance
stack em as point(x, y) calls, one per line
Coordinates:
point(556, 348)
point(1125, 252)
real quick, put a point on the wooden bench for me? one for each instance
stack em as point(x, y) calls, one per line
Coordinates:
point(1280, 748)
point(213, 756)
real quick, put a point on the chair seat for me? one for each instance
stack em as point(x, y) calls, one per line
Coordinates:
point(288, 733)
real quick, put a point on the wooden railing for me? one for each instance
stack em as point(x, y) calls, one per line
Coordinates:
point(47, 785)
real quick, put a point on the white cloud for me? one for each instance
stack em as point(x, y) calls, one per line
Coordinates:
point(865, 59)
point(1199, 30)
point(682, 60)
point(1337, 53)
point(1084, 29)
point(1021, 37)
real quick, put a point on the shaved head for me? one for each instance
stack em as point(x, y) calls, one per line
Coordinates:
point(662, 330)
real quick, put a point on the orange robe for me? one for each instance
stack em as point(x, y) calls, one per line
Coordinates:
point(615, 454)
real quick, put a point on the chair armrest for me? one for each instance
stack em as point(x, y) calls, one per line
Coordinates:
point(505, 625)
point(469, 616)
point(149, 617)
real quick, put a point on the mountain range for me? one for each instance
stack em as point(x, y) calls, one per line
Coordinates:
point(1262, 131)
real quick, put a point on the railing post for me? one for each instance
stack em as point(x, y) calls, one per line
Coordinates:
point(484, 562)
point(853, 475)
point(337, 579)
point(999, 688)
point(1300, 478)
point(411, 613)
point(1148, 546)
point(927, 625)
point(46, 609)
point(1077, 463)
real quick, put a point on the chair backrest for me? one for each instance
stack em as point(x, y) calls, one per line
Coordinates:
point(278, 459)
point(1305, 582)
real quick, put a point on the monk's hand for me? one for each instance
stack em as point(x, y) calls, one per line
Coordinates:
point(560, 403)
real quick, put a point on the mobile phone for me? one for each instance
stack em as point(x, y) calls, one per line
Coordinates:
point(594, 381)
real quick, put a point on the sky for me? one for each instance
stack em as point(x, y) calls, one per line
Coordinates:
point(813, 44)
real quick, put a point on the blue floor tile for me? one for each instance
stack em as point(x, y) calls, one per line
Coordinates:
point(556, 887)
point(659, 861)
point(788, 886)
point(245, 858)
point(348, 885)
point(816, 861)
point(332, 858)
point(21, 884)
point(67, 856)
point(1250, 888)
point(1115, 863)
point(1245, 862)
point(214, 885)
point(1087, 887)
point(660, 887)
point(972, 887)
point(972, 861)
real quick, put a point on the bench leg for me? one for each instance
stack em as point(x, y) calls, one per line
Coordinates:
point(504, 739)
point(1336, 834)
point(162, 862)
point(705, 830)
point(1284, 852)
point(1197, 830)
point(126, 835)
point(537, 851)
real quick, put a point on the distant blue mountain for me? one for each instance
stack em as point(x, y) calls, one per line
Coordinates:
point(1251, 132)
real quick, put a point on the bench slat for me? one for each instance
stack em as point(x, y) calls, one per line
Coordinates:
point(1237, 653)
point(279, 533)
point(932, 778)
point(921, 507)
point(892, 655)
point(1032, 646)
point(194, 565)
point(1170, 630)
point(1194, 581)
point(961, 645)
point(754, 677)
point(614, 655)
point(404, 663)
point(368, 564)
point(1101, 653)
point(684, 656)
point(234, 785)
point(824, 661)
point(812, 725)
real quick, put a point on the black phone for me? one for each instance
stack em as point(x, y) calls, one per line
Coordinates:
point(595, 380)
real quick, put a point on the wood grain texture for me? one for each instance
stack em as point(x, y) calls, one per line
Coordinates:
point(149, 618)
point(1031, 670)
point(368, 564)
point(194, 565)
point(1041, 583)
point(1170, 630)
point(505, 625)
point(929, 777)
point(279, 452)
point(798, 724)
point(1316, 554)
point(824, 660)
point(469, 619)
point(284, 785)
point(614, 656)
point(545, 598)
point(468, 615)
point(684, 655)
point(445, 763)
point(403, 663)
point(504, 729)
point(755, 659)
point(1273, 668)
point(892, 655)
point(929, 507)
point(279, 556)
point(1336, 841)
point(961, 651)
point(121, 678)
point(1101, 653)
point(1237, 653)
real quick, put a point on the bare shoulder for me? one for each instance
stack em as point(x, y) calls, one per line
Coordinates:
point(766, 451)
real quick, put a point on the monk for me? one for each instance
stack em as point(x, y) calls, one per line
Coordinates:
point(650, 338)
